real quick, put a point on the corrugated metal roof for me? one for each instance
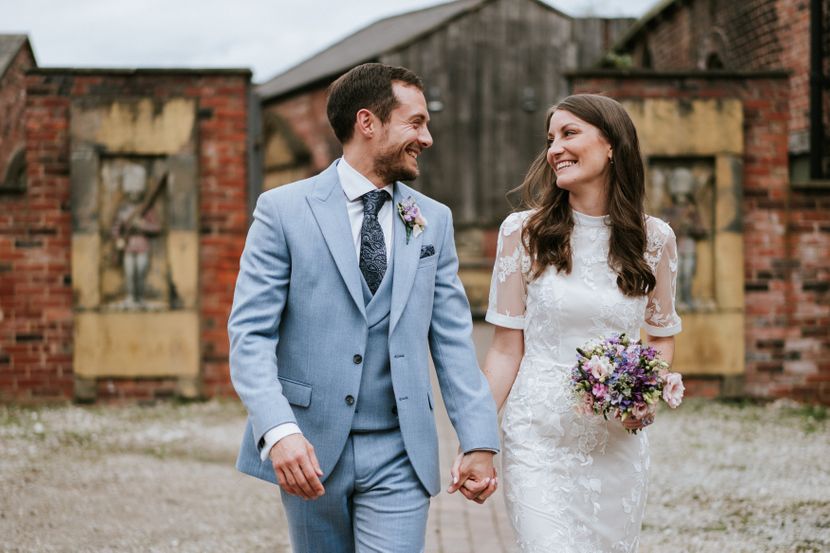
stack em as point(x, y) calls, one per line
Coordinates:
point(9, 47)
point(365, 45)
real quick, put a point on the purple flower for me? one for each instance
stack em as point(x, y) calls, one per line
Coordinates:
point(410, 213)
point(619, 377)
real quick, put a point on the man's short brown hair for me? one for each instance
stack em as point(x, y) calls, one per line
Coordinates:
point(367, 86)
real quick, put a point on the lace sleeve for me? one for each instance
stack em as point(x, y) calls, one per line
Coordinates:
point(661, 318)
point(508, 289)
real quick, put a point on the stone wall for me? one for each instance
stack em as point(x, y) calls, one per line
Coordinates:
point(44, 293)
point(12, 102)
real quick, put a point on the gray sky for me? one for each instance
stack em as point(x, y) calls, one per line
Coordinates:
point(267, 36)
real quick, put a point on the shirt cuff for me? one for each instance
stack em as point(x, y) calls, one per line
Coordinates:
point(276, 434)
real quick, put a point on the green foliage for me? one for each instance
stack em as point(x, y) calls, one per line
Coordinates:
point(615, 60)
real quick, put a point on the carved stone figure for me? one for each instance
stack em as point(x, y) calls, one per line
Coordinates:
point(684, 216)
point(135, 223)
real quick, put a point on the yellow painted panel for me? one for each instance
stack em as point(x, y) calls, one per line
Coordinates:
point(668, 127)
point(477, 286)
point(138, 127)
point(136, 344)
point(729, 270)
point(710, 344)
point(183, 255)
point(85, 270)
point(275, 178)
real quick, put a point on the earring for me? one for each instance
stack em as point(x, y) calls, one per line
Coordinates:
point(612, 161)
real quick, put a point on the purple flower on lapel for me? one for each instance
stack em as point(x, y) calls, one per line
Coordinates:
point(410, 213)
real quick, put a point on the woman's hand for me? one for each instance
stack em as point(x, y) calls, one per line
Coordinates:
point(632, 424)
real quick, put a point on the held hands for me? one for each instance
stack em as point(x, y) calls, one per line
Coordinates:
point(296, 466)
point(474, 475)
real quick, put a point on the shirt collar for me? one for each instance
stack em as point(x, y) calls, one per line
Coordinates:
point(354, 183)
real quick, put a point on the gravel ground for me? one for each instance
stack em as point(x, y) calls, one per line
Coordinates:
point(725, 478)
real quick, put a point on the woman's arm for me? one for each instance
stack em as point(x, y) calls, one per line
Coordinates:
point(664, 346)
point(501, 365)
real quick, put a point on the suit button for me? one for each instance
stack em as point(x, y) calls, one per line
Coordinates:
point(395, 410)
point(349, 400)
point(358, 359)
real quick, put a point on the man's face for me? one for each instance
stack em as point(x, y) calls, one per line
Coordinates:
point(403, 137)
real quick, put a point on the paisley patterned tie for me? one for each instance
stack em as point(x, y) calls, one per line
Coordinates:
point(372, 245)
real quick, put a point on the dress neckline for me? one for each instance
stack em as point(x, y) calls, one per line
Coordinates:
point(585, 220)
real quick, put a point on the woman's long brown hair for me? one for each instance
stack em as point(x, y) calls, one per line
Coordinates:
point(547, 234)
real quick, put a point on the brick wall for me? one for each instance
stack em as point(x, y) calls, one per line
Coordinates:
point(12, 101)
point(35, 286)
point(751, 35)
point(305, 115)
point(35, 228)
point(794, 18)
point(786, 244)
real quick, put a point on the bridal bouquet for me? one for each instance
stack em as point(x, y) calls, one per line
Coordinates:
point(621, 377)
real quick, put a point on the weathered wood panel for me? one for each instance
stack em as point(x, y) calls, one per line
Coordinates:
point(495, 71)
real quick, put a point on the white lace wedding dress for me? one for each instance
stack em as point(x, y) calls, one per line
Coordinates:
point(574, 483)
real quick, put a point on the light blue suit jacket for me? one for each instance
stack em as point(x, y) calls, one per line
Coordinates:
point(299, 321)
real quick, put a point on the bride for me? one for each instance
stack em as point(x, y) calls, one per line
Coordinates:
point(583, 263)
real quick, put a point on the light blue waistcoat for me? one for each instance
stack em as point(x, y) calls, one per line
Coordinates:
point(376, 409)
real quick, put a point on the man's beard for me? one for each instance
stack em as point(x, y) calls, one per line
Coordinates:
point(390, 166)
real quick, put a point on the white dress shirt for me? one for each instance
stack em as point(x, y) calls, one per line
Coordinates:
point(355, 185)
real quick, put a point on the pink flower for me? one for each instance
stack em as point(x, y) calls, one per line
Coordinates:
point(673, 389)
point(641, 410)
point(586, 406)
point(600, 391)
point(600, 367)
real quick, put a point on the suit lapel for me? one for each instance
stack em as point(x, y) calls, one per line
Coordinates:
point(328, 203)
point(406, 258)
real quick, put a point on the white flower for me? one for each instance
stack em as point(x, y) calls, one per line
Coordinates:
point(600, 367)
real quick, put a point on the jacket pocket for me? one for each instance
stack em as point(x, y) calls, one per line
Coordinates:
point(297, 393)
point(429, 400)
point(430, 261)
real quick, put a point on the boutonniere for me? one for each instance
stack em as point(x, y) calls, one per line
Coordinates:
point(412, 219)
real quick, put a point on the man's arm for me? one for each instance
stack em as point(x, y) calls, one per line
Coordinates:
point(259, 300)
point(466, 395)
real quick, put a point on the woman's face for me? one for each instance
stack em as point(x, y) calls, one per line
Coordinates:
point(578, 153)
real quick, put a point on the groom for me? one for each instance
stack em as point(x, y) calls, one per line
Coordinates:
point(344, 280)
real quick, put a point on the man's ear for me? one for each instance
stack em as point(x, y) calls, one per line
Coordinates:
point(365, 123)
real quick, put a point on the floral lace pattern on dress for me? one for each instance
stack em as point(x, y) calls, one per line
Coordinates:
point(574, 483)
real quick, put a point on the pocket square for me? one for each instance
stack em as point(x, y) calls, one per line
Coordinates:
point(427, 251)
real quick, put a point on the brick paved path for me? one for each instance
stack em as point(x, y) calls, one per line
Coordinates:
point(457, 525)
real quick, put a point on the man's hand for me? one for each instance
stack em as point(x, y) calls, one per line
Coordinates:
point(474, 475)
point(296, 466)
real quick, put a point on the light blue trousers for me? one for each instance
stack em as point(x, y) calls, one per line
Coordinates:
point(374, 502)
